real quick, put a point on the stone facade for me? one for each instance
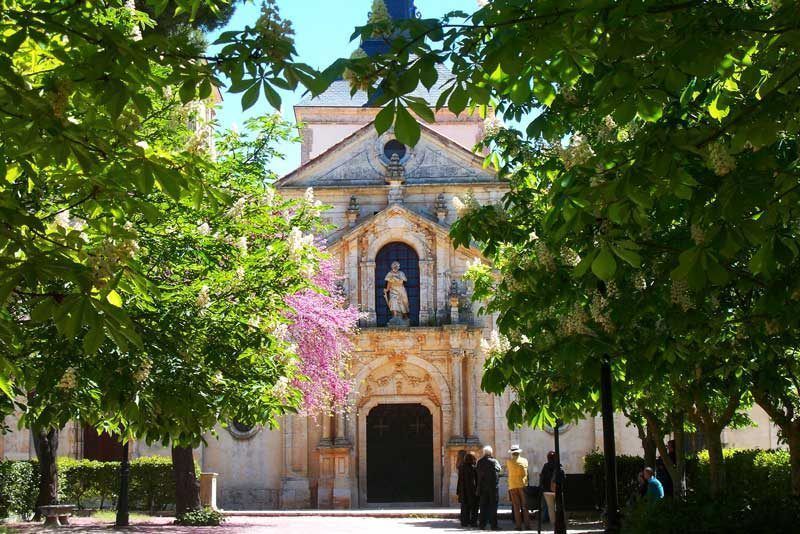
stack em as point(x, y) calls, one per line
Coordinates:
point(322, 462)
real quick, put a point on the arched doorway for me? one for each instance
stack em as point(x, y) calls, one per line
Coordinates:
point(399, 453)
point(409, 264)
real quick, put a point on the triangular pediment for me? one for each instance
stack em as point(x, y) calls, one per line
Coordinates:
point(358, 161)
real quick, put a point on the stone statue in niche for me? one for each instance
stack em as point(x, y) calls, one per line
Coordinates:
point(396, 295)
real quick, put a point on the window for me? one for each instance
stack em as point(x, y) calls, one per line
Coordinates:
point(394, 147)
point(241, 430)
point(409, 264)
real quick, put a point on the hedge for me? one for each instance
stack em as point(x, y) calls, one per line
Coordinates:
point(628, 469)
point(750, 474)
point(755, 514)
point(19, 483)
point(88, 482)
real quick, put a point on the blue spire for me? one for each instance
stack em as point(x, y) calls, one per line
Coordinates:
point(398, 10)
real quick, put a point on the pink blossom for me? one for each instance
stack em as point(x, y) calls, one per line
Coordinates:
point(322, 326)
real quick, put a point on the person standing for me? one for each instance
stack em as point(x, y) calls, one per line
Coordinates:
point(547, 483)
point(488, 488)
point(467, 490)
point(517, 481)
point(655, 491)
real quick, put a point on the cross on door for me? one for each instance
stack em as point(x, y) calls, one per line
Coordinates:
point(416, 426)
point(380, 426)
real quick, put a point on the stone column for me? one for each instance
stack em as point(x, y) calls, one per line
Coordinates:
point(469, 415)
point(456, 361)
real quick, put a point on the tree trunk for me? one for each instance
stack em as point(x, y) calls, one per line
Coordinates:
point(45, 442)
point(716, 461)
point(649, 446)
point(792, 433)
point(678, 472)
point(187, 488)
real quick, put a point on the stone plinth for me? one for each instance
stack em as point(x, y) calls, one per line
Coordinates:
point(208, 490)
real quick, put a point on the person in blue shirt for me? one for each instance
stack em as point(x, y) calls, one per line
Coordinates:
point(655, 491)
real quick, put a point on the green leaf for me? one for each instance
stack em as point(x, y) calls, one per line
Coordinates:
point(406, 127)
point(93, 339)
point(458, 100)
point(187, 91)
point(385, 118)
point(114, 298)
point(428, 74)
point(649, 109)
point(627, 255)
point(250, 96)
point(717, 109)
point(272, 95)
point(421, 109)
point(604, 266)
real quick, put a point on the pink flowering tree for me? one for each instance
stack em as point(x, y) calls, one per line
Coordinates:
point(322, 327)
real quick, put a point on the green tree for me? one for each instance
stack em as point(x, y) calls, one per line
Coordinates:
point(657, 154)
point(78, 86)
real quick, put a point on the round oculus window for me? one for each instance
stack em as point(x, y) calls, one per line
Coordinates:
point(394, 147)
point(241, 430)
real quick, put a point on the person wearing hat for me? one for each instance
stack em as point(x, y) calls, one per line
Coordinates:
point(517, 480)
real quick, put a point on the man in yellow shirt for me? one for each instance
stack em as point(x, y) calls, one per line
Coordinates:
point(517, 481)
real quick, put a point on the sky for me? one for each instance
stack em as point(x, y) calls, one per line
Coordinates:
point(322, 35)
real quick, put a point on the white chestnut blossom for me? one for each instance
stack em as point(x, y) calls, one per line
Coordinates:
point(203, 298)
point(69, 380)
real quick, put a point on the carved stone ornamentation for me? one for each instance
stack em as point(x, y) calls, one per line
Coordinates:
point(440, 208)
point(353, 211)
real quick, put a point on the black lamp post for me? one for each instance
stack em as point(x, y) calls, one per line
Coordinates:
point(609, 447)
point(560, 522)
point(123, 517)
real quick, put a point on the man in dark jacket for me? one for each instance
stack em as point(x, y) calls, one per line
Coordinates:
point(488, 488)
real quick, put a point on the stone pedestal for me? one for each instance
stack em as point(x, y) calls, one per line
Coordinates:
point(335, 487)
point(399, 322)
point(208, 490)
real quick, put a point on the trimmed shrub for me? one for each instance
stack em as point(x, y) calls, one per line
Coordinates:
point(82, 480)
point(749, 473)
point(704, 516)
point(628, 469)
point(205, 517)
point(88, 483)
point(19, 484)
point(152, 483)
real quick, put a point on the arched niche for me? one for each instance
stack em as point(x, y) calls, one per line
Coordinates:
point(409, 264)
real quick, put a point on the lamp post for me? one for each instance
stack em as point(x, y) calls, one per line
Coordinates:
point(609, 447)
point(560, 523)
point(123, 518)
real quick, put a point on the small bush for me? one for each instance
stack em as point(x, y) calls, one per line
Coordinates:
point(82, 480)
point(19, 485)
point(749, 473)
point(152, 483)
point(205, 517)
point(704, 516)
point(628, 469)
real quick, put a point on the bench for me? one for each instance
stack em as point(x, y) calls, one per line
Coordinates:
point(56, 515)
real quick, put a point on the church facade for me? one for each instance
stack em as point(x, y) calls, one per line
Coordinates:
point(416, 400)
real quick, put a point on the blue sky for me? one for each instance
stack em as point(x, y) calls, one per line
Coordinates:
point(322, 34)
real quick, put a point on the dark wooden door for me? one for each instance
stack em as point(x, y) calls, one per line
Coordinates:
point(103, 447)
point(399, 453)
point(409, 264)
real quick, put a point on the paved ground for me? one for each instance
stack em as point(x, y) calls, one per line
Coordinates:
point(290, 525)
